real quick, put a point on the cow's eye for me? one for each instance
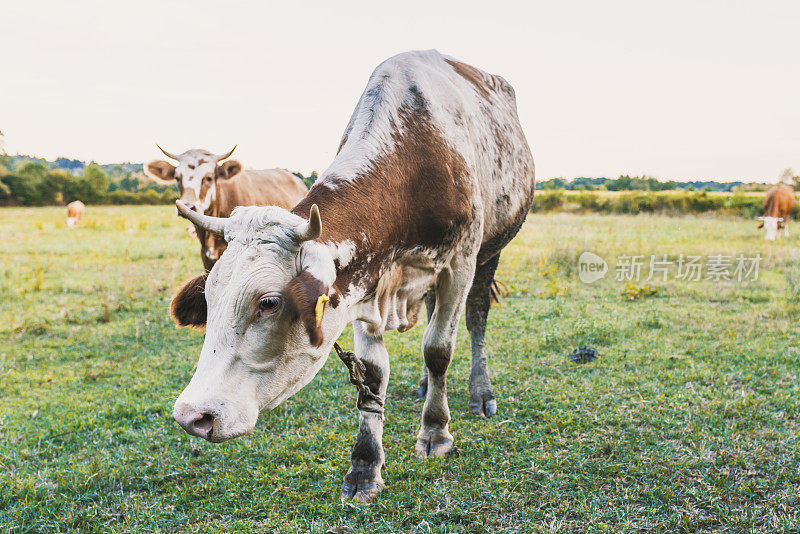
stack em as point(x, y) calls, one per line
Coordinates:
point(269, 304)
point(208, 178)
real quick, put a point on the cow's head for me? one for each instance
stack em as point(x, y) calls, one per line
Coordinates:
point(771, 225)
point(268, 327)
point(196, 175)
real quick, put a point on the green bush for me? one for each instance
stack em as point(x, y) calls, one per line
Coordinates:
point(549, 200)
point(633, 202)
point(743, 205)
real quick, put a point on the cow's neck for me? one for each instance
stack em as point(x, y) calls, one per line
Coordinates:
point(360, 219)
point(377, 203)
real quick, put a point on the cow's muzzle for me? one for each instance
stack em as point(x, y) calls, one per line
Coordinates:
point(200, 424)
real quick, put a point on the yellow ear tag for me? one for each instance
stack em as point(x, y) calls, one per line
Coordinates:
point(320, 307)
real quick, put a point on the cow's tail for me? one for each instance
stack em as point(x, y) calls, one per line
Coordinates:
point(497, 290)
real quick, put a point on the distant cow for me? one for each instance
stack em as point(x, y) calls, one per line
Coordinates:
point(432, 179)
point(75, 212)
point(778, 206)
point(215, 188)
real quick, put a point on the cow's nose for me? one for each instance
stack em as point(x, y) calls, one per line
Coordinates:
point(200, 424)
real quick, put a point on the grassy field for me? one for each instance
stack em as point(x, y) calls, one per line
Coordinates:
point(688, 420)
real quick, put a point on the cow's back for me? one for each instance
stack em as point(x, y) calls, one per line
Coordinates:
point(476, 113)
point(75, 209)
point(779, 201)
point(503, 164)
point(267, 187)
point(425, 111)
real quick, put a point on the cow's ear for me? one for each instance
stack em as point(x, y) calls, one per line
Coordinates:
point(761, 224)
point(189, 303)
point(161, 171)
point(302, 295)
point(229, 169)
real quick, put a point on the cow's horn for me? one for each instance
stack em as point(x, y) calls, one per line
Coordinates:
point(224, 156)
point(215, 225)
point(173, 156)
point(311, 229)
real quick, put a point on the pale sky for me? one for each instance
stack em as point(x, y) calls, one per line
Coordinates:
point(682, 89)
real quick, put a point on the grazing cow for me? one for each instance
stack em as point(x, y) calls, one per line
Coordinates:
point(778, 205)
point(215, 188)
point(432, 179)
point(75, 210)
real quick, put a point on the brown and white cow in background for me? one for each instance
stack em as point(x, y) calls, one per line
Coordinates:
point(208, 186)
point(75, 211)
point(432, 179)
point(778, 206)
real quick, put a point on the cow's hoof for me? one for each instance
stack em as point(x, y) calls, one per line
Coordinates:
point(362, 483)
point(432, 448)
point(361, 491)
point(485, 407)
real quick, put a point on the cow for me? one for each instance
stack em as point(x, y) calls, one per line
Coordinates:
point(214, 188)
point(778, 206)
point(75, 211)
point(432, 178)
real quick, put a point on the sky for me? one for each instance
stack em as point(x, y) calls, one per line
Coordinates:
point(677, 90)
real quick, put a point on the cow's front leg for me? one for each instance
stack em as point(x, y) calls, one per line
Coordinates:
point(434, 439)
point(363, 481)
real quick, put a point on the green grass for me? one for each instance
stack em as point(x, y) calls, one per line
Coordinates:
point(688, 420)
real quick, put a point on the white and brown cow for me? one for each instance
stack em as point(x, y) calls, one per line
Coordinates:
point(778, 206)
point(206, 185)
point(75, 211)
point(432, 179)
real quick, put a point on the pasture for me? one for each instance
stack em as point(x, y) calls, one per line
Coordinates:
point(688, 420)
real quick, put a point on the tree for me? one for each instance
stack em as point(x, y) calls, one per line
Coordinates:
point(5, 192)
point(554, 183)
point(22, 189)
point(97, 178)
point(69, 164)
point(789, 177)
point(308, 180)
point(33, 171)
point(90, 187)
point(52, 186)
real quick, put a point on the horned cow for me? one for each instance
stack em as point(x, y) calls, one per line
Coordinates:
point(208, 186)
point(778, 205)
point(432, 179)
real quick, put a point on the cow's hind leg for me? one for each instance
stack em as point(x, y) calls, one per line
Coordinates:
point(363, 481)
point(438, 342)
point(481, 397)
point(430, 304)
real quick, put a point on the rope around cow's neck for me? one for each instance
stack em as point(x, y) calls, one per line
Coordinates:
point(357, 371)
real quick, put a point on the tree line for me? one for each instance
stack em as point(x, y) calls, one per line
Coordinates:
point(738, 204)
point(34, 182)
point(648, 183)
point(29, 181)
